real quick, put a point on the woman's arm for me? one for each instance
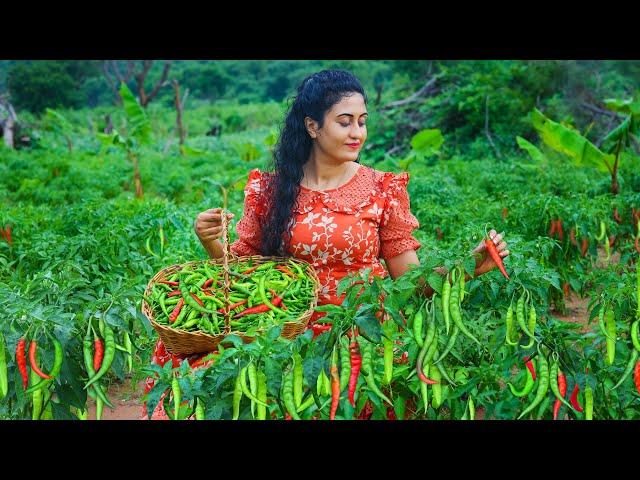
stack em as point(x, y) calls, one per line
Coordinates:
point(399, 264)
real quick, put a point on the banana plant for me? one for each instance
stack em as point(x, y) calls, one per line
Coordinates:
point(138, 133)
point(570, 142)
point(424, 144)
point(60, 125)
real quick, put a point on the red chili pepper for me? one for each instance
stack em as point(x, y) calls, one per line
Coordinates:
point(530, 366)
point(553, 228)
point(335, 391)
point(167, 282)
point(276, 299)
point(287, 416)
point(636, 244)
point(565, 289)
point(616, 215)
point(286, 271)
point(97, 354)
point(572, 237)
point(32, 361)
point(249, 270)
point(21, 360)
point(636, 376)
point(7, 233)
point(234, 305)
point(439, 233)
point(197, 299)
point(318, 328)
point(585, 246)
point(562, 387)
point(612, 240)
point(207, 283)
point(257, 309)
point(356, 364)
point(493, 252)
point(176, 311)
point(574, 399)
point(559, 228)
point(207, 292)
point(174, 293)
point(505, 212)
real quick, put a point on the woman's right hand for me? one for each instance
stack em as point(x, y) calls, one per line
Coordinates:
point(208, 224)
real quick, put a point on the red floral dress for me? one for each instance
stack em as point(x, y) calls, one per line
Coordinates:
point(338, 231)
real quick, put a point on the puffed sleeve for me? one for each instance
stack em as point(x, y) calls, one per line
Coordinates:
point(248, 227)
point(397, 222)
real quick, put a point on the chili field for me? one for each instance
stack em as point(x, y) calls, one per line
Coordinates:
point(88, 218)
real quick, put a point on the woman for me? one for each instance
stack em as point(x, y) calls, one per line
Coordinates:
point(319, 204)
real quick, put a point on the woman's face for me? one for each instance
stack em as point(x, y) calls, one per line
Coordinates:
point(344, 130)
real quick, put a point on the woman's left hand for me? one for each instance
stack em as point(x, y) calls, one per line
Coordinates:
point(485, 263)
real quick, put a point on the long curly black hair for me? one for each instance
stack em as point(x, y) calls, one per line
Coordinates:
point(315, 96)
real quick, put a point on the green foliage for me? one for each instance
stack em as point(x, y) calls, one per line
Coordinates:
point(47, 83)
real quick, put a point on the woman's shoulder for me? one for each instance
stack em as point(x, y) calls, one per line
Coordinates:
point(387, 182)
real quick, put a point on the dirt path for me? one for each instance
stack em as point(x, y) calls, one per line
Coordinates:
point(125, 398)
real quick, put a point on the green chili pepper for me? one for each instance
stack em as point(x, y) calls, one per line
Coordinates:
point(610, 325)
point(450, 343)
point(520, 315)
point(532, 327)
point(55, 370)
point(629, 368)
point(177, 397)
point(262, 396)
point(367, 368)
point(245, 390)
point(109, 353)
point(454, 307)
point(297, 379)
point(510, 327)
point(287, 395)
point(345, 363)
point(543, 386)
point(446, 294)
point(199, 409)
point(128, 345)
point(588, 403)
point(237, 396)
point(436, 398)
point(36, 397)
point(634, 333)
point(4, 379)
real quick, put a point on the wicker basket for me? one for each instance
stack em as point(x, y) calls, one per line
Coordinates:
point(183, 342)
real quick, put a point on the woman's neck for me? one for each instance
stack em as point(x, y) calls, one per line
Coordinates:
point(321, 174)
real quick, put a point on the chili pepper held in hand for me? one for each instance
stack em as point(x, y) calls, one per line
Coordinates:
point(574, 398)
point(21, 360)
point(493, 253)
point(32, 361)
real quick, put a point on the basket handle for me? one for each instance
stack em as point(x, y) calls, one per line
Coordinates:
point(225, 269)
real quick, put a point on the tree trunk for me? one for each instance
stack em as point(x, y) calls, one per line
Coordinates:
point(9, 124)
point(137, 181)
point(179, 106)
point(109, 128)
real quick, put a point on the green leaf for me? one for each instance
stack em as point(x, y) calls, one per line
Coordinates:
point(368, 324)
point(571, 143)
point(427, 142)
point(58, 120)
point(435, 281)
point(139, 125)
point(187, 150)
point(532, 150)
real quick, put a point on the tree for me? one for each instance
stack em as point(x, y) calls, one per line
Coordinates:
point(40, 84)
point(111, 68)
